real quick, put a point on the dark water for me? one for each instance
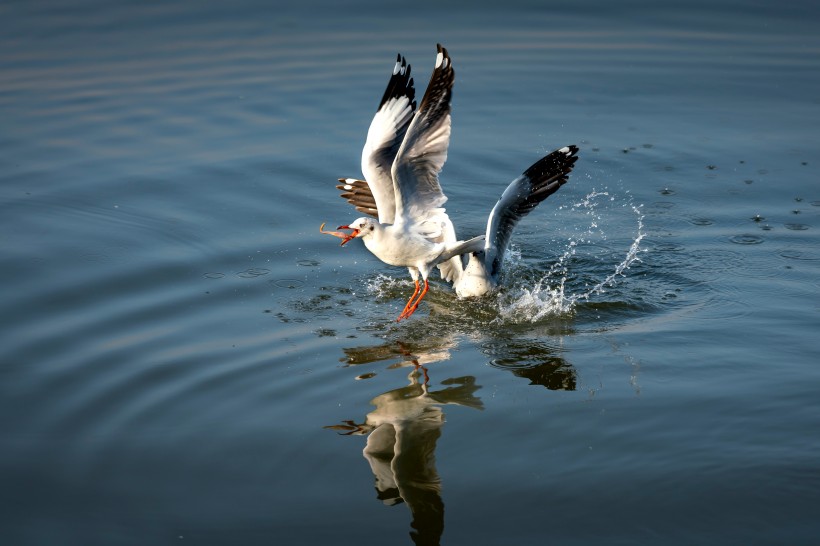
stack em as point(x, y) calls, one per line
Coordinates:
point(178, 337)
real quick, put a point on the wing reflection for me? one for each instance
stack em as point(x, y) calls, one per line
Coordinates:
point(533, 360)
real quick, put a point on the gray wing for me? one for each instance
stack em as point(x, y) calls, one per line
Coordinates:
point(424, 150)
point(384, 137)
point(523, 194)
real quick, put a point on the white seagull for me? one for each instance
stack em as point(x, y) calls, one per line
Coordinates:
point(538, 182)
point(401, 159)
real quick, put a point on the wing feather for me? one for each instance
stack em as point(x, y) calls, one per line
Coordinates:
point(357, 193)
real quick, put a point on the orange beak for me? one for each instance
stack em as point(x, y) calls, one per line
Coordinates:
point(345, 236)
point(351, 236)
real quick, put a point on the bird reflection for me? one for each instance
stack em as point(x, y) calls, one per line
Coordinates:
point(402, 434)
point(403, 429)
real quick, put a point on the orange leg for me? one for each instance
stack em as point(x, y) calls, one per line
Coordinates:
point(410, 309)
point(406, 307)
point(418, 367)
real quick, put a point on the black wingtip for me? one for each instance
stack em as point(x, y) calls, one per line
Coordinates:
point(546, 176)
point(401, 83)
point(436, 100)
point(558, 163)
point(443, 60)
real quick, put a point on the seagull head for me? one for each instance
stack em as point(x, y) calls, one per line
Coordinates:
point(361, 227)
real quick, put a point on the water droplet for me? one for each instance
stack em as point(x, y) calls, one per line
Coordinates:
point(213, 275)
point(669, 247)
point(797, 227)
point(252, 272)
point(746, 239)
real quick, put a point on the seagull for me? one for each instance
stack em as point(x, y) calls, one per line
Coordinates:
point(404, 152)
point(539, 181)
point(481, 273)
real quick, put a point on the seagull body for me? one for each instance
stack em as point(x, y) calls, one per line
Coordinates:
point(404, 152)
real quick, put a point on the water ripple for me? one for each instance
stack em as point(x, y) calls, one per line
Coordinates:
point(747, 239)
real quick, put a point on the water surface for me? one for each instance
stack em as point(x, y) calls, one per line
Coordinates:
point(186, 359)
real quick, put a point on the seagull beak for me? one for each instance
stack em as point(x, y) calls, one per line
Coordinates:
point(348, 238)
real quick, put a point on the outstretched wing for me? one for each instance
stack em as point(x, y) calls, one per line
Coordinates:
point(384, 137)
point(424, 150)
point(523, 194)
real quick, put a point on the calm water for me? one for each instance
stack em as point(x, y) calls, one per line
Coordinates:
point(187, 360)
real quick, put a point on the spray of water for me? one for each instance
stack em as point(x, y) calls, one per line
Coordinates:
point(550, 294)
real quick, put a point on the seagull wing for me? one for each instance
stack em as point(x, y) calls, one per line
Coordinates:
point(424, 150)
point(523, 194)
point(384, 137)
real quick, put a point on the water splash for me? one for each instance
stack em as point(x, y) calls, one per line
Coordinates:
point(385, 286)
point(552, 294)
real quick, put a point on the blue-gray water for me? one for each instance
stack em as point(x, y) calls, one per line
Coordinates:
point(177, 336)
